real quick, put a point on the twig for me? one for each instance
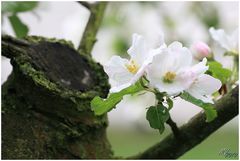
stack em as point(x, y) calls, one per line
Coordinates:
point(89, 36)
point(174, 127)
point(195, 131)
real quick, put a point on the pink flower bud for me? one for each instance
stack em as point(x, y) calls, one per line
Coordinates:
point(200, 50)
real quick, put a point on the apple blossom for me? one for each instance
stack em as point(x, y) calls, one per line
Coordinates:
point(203, 85)
point(171, 72)
point(167, 70)
point(124, 72)
point(200, 50)
point(228, 42)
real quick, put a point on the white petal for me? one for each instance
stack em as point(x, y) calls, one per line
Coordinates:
point(117, 71)
point(130, 81)
point(161, 64)
point(221, 37)
point(204, 98)
point(175, 46)
point(204, 86)
point(208, 84)
point(182, 56)
point(180, 83)
point(138, 51)
point(170, 89)
point(234, 39)
point(162, 46)
point(200, 68)
point(119, 88)
point(226, 61)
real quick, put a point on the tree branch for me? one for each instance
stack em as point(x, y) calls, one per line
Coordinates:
point(194, 132)
point(89, 36)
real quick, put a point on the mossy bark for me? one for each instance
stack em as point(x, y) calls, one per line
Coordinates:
point(46, 102)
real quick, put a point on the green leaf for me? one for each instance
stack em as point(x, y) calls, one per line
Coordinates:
point(101, 106)
point(19, 27)
point(157, 116)
point(217, 71)
point(209, 110)
point(14, 7)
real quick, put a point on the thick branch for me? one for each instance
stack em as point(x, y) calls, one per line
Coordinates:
point(195, 131)
point(94, 22)
point(46, 110)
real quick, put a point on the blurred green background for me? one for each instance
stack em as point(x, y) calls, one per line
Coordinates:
point(131, 142)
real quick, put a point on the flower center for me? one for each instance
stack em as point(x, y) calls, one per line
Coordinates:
point(132, 67)
point(169, 77)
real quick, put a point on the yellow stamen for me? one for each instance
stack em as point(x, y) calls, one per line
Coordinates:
point(169, 77)
point(132, 67)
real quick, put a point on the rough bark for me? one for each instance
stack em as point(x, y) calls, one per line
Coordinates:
point(195, 131)
point(46, 102)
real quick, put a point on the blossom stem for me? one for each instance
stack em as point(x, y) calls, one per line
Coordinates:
point(174, 127)
point(144, 86)
point(144, 77)
point(142, 83)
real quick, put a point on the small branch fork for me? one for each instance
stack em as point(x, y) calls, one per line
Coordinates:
point(96, 16)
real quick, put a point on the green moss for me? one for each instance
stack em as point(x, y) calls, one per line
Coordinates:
point(37, 39)
point(38, 77)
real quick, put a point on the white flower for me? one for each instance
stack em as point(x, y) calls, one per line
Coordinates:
point(200, 50)
point(228, 42)
point(124, 72)
point(203, 85)
point(167, 72)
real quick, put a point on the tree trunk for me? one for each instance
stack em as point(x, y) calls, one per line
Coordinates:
point(46, 102)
